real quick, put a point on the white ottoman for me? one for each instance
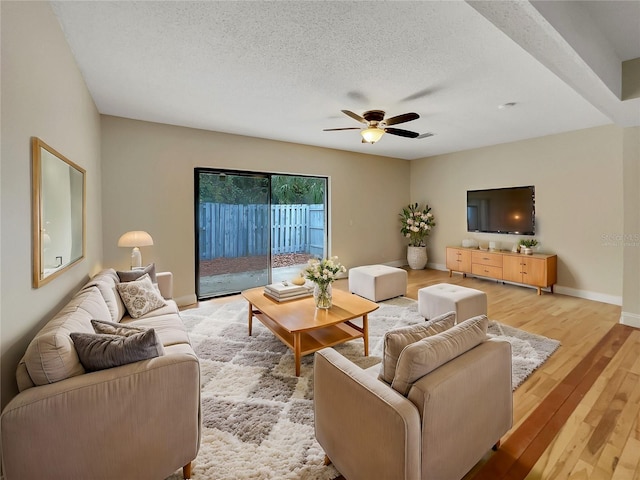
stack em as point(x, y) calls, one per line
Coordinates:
point(378, 282)
point(445, 297)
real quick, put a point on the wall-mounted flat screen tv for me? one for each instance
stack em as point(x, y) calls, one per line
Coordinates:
point(502, 210)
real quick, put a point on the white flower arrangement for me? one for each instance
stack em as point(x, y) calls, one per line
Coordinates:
point(416, 224)
point(323, 272)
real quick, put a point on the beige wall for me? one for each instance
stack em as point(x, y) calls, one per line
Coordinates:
point(43, 95)
point(147, 178)
point(578, 180)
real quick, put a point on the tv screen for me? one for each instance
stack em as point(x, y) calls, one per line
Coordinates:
point(502, 210)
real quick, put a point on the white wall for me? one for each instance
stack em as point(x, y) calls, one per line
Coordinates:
point(148, 185)
point(43, 95)
point(579, 203)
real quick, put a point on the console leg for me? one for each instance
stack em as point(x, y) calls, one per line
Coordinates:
point(327, 460)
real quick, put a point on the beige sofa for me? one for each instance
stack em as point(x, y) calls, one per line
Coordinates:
point(433, 427)
point(140, 420)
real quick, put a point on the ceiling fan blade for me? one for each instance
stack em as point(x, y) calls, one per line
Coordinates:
point(355, 116)
point(405, 117)
point(335, 129)
point(426, 135)
point(401, 133)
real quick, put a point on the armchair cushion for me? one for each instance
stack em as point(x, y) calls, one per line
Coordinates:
point(396, 340)
point(421, 357)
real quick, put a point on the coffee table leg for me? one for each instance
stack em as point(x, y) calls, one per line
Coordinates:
point(365, 334)
point(250, 317)
point(296, 352)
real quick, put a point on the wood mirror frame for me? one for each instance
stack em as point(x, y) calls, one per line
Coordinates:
point(58, 213)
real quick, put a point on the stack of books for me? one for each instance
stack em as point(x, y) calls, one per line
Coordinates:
point(284, 291)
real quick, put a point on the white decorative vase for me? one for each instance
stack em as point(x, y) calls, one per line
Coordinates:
point(417, 257)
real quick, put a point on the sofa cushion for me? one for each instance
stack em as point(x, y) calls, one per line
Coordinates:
point(107, 275)
point(51, 356)
point(170, 307)
point(140, 296)
point(112, 328)
point(96, 306)
point(424, 356)
point(131, 275)
point(396, 340)
point(106, 282)
point(99, 351)
point(168, 327)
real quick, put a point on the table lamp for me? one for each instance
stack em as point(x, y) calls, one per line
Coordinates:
point(135, 239)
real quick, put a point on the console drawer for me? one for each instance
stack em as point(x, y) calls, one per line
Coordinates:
point(486, 270)
point(487, 258)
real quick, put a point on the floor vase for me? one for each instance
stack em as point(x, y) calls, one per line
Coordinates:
point(417, 257)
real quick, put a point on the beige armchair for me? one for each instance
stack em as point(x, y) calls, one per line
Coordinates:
point(450, 418)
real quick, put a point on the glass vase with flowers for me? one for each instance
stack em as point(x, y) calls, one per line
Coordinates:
point(323, 273)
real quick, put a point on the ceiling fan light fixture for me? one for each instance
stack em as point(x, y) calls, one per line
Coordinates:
point(372, 134)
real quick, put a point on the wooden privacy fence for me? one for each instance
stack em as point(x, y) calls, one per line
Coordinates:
point(245, 230)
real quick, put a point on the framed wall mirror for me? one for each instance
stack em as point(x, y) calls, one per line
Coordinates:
point(58, 213)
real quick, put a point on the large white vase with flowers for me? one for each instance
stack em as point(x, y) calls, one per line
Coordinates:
point(323, 273)
point(416, 226)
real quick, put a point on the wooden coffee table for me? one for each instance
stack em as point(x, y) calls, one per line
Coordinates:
point(304, 328)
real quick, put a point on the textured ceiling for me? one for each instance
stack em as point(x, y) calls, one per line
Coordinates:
point(284, 70)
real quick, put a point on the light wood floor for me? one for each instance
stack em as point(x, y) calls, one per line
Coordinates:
point(578, 415)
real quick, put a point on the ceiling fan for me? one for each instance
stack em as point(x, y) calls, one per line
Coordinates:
point(377, 125)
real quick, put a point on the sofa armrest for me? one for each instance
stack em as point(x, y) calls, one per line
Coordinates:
point(165, 284)
point(466, 406)
point(367, 429)
point(140, 420)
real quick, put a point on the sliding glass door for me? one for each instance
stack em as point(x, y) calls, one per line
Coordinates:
point(298, 224)
point(253, 229)
point(232, 230)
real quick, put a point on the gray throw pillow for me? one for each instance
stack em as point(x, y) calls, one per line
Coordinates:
point(99, 351)
point(111, 328)
point(395, 341)
point(131, 275)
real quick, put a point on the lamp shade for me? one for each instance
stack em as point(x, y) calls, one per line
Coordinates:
point(372, 134)
point(136, 238)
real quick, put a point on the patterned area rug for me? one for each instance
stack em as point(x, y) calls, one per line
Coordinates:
point(258, 416)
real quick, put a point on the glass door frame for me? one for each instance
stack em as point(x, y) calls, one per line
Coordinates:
point(260, 174)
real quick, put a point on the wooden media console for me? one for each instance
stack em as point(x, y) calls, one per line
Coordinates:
point(538, 270)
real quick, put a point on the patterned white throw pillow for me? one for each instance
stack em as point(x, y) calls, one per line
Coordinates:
point(140, 296)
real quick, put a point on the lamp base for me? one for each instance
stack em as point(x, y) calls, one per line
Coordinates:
point(136, 258)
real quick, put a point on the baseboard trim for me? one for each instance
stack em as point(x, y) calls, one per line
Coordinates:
point(589, 295)
point(438, 266)
point(396, 263)
point(630, 319)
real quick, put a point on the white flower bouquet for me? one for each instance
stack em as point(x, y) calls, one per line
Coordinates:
point(416, 224)
point(324, 271)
